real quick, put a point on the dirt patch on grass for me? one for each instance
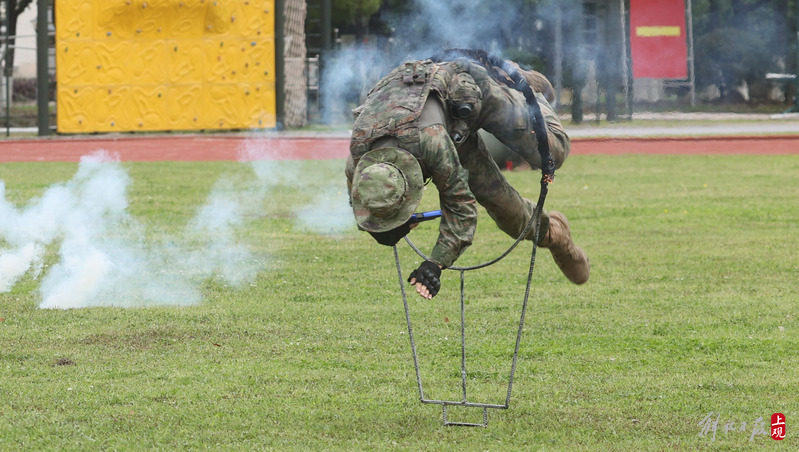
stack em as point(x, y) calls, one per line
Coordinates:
point(64, 362)
point(157, 337)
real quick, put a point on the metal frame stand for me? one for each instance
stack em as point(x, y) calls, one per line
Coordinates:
point(464, 402)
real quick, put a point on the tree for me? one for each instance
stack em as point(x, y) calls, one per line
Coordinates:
point(14, 9)
point(739, 41)
point(355, 14)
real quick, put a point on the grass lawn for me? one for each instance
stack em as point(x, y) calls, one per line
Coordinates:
point(691, 309)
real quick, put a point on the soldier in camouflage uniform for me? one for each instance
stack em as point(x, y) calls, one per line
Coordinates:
point(420, 123)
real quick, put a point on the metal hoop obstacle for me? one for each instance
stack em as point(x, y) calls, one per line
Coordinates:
point(464, 402)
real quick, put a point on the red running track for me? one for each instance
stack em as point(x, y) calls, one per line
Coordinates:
point(221, 147)
point(175, 148)
point(763, 145)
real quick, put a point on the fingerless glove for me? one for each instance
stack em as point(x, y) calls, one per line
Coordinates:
point(429, 274)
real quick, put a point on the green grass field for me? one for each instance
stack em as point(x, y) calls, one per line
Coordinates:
point(692, 309)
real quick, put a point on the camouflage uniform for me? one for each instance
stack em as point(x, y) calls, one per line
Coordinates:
point(412, 108)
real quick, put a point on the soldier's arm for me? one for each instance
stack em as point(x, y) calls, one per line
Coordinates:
point(458, 206)
point(349, 171)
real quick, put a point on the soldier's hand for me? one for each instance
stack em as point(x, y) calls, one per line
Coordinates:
point(427, 280)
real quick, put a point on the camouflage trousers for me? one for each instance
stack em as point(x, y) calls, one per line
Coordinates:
point(509, 210)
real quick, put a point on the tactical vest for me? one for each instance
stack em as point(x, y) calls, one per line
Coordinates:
point(393, 106)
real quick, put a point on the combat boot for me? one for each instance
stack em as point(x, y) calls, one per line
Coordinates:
point(570, 258)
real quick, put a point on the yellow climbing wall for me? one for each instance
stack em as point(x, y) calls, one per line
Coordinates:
point(130, 65)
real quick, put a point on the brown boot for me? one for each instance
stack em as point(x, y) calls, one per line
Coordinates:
point(570, 258)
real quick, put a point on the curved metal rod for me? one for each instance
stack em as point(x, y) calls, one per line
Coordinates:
point(535, 218)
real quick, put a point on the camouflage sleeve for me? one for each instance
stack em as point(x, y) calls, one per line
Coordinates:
point(458, 206)
point(349, 171)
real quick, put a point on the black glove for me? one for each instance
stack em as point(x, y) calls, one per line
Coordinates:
point(390, 238)
point(428, 274)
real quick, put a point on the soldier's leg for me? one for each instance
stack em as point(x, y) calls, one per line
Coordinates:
point(504, 113)
point(509, 210)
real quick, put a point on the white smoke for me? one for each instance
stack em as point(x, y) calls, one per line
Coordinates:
point(348, 75)
point(15, 264)
point(329, 214)
point(433, 25)
point(429, 27)
point(327, 211)
point(103, 258)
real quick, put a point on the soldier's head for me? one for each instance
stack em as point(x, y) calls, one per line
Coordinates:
point(386, 189)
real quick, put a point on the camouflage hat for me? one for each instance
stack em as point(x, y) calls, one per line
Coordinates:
point(386, 188)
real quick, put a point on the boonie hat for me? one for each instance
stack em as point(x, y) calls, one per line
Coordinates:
point(386, 189)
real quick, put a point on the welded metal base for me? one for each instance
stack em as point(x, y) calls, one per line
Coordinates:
point(465, 424)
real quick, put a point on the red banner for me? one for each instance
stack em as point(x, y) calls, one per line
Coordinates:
point(658, 39)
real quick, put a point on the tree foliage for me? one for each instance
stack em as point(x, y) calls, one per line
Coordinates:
point(735, 41)
point(355, 14)
point(738, 41)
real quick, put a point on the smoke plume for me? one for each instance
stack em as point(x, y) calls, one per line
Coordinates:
point(325, 208)
point(428, 27)
point(104, 256)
